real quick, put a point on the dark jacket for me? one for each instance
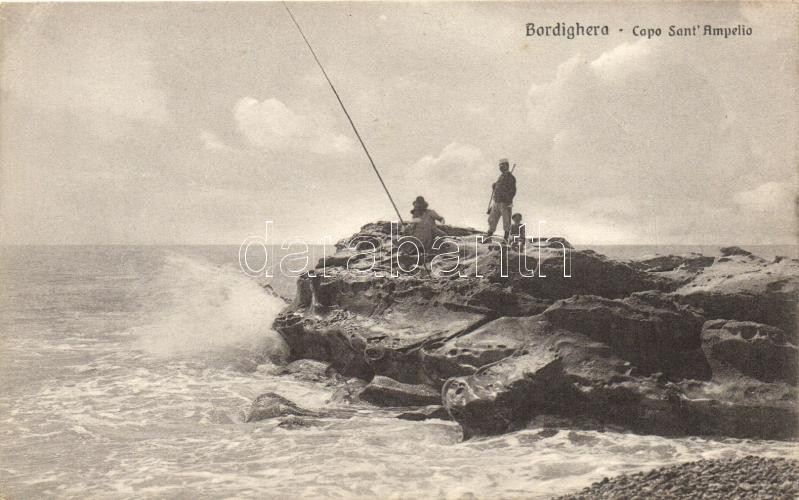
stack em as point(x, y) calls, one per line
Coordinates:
point(505, 188)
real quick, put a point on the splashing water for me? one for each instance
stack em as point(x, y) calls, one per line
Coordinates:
point(214, 312)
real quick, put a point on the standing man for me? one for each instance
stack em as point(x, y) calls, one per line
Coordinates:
point(504, 191)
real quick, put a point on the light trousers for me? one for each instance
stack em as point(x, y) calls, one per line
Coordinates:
point(499, 210)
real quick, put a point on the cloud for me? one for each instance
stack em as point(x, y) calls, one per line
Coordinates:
point(272, 126)
point(456, 161)
point(770, 197)
point(643, 136)
point(612, 125)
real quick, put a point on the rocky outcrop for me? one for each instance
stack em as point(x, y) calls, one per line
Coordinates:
point(745, 287)
point(509, 338)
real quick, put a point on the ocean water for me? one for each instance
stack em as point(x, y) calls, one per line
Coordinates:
point(125, 371)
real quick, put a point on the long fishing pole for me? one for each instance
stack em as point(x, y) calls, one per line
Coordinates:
point(352, 124)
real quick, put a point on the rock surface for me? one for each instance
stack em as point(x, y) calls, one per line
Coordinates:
point(609, 343)
point(749, 478)
point(744, 287)
point(754, 349)
point(384, 391)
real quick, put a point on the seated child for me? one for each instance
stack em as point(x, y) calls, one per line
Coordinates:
point(517, 235)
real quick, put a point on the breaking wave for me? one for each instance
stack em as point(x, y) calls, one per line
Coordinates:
point(201, 310)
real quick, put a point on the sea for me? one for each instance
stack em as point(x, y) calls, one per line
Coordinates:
point(125, 372)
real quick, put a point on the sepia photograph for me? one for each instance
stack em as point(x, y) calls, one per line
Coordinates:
point(399, 250)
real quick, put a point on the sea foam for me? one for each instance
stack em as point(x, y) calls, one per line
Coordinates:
point(201, 310)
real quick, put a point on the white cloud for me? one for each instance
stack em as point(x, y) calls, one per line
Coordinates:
point(271, 125)
point(456, 161)
point(769, 197)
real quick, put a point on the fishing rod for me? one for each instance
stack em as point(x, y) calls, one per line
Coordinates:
point(352, 124)
point(488, 211)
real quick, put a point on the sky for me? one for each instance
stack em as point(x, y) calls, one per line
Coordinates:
point(160, 123)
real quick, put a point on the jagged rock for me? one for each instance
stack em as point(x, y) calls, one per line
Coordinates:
point(757, 350)
point(747, 288)
point(271, 405)
point(383, 391)
point(426, 413)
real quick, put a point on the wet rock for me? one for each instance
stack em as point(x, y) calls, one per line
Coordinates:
point(426, 413)
point(348, 392)
point(271, 405)
point(383, 391)
point(309, 370)
point(292, 422)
